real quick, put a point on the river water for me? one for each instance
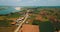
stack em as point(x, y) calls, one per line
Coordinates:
point(9, 9)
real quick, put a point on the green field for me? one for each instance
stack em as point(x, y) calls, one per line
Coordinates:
point(5, 23)
point(5, 26)
point(14, 15)
point(45, 26)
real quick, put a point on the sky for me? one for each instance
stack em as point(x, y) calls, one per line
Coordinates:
point(29, 2)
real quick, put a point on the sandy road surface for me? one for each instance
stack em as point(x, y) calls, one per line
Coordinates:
point(21, 23)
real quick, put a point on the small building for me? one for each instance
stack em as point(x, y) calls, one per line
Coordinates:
point(13, 23)
point(20, 19)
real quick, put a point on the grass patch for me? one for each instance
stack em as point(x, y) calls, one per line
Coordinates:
point(5, 26)
point(5, 23)
point(14, 15)
point(8, 29)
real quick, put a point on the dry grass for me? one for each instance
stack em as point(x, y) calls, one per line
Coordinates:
point(7, 29)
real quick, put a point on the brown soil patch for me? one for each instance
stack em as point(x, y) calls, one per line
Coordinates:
point(29, 28)
point(39, 17)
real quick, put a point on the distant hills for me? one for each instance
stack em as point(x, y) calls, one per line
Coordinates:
point(34, 6)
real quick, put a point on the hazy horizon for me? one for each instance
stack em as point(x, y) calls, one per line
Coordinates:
point(29, 2)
